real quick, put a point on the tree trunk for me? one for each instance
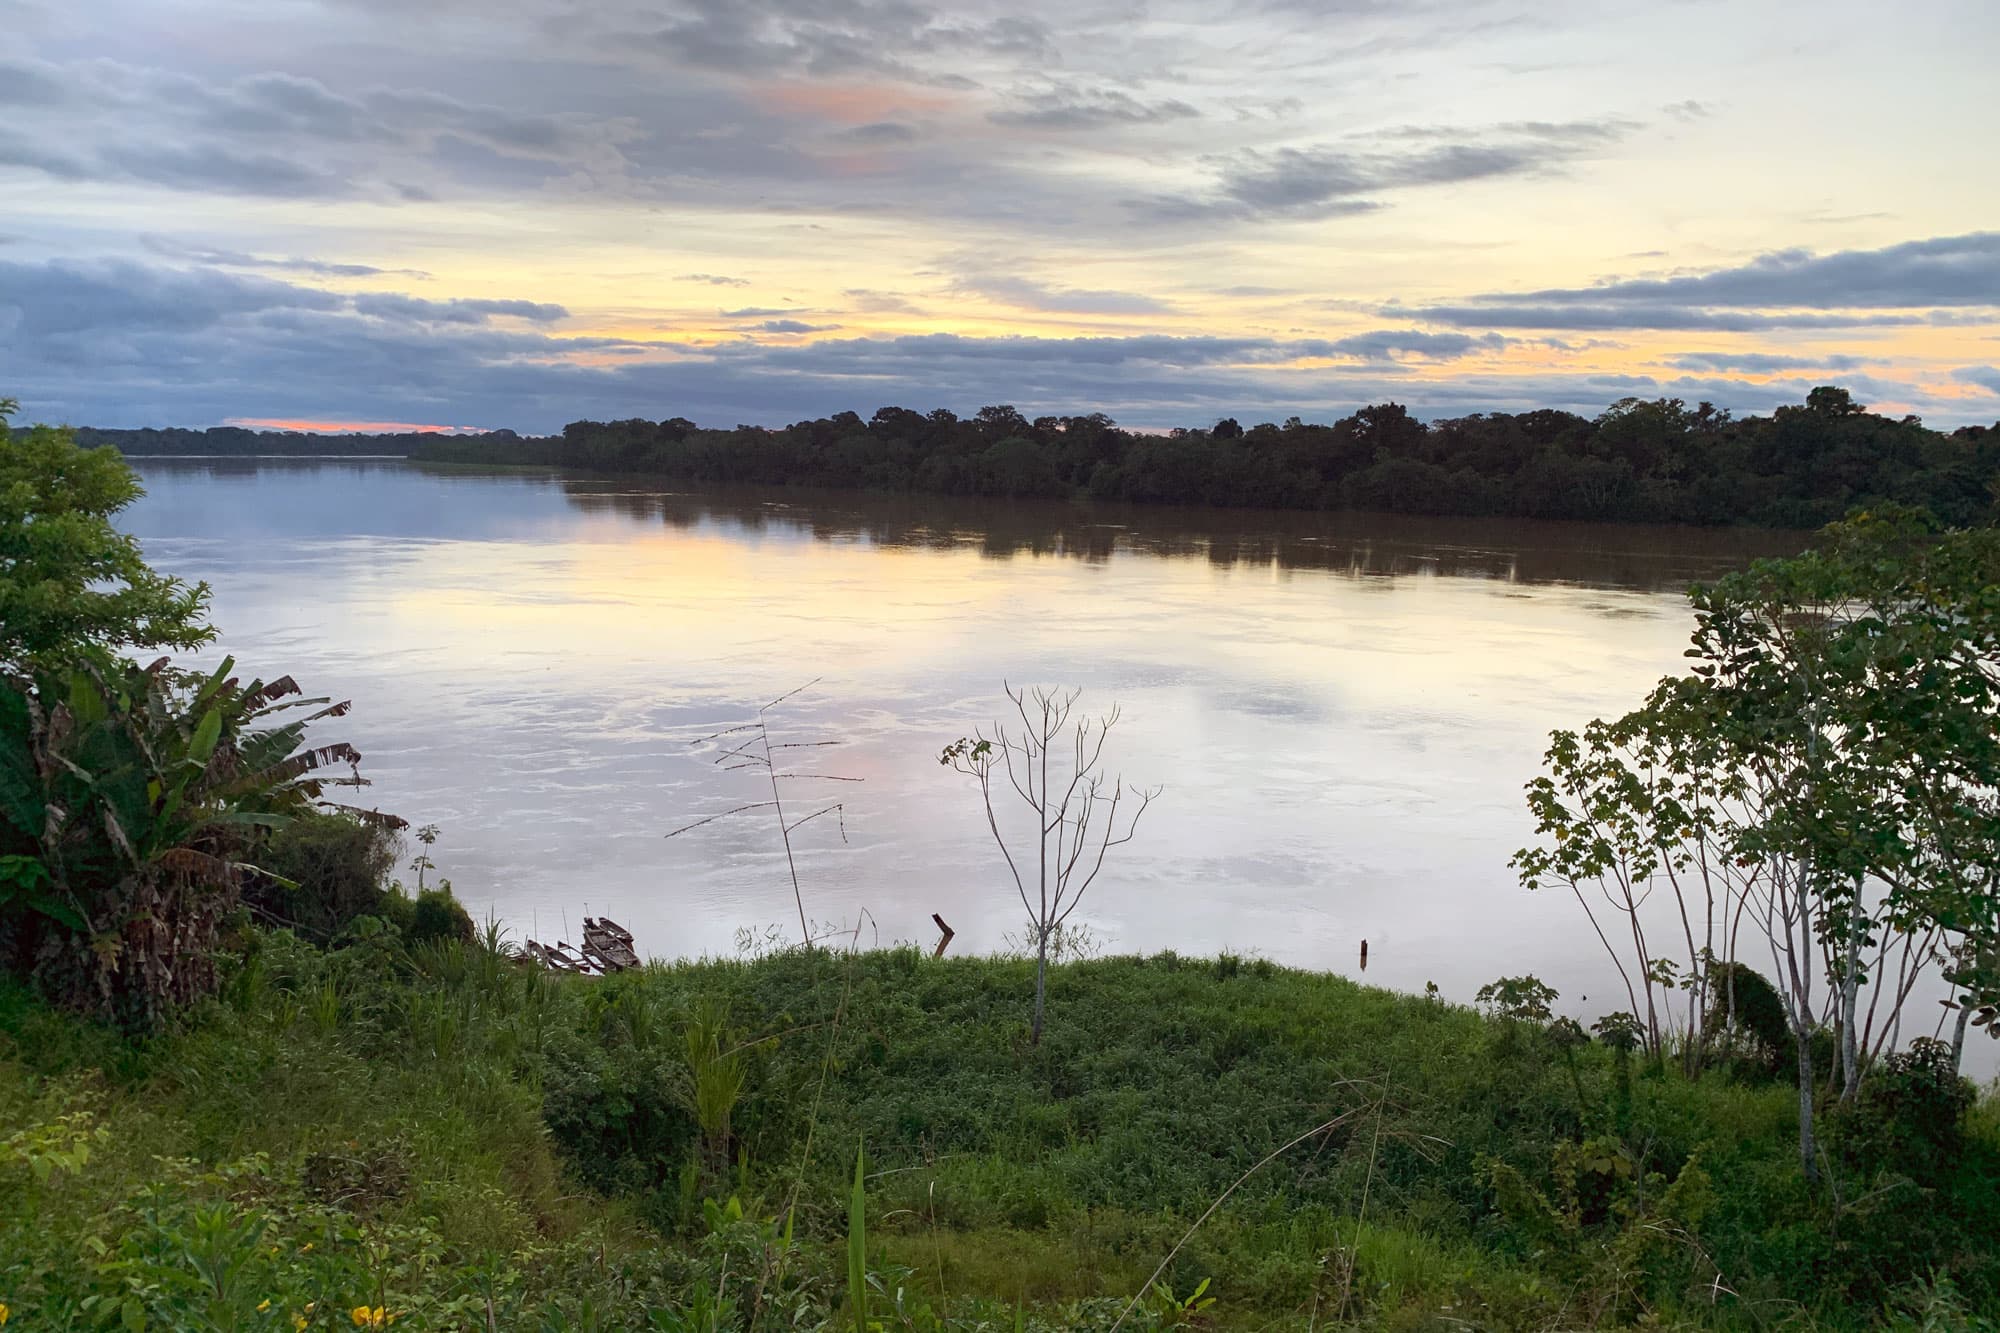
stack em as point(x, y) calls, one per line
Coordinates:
point(1041, 985)
point(1958, 1032)
point(1850, 997)
point(1803, 1037)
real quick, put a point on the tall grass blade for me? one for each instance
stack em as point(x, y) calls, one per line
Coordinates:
point(857, 1244)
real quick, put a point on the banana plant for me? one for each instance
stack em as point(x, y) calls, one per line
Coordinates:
point(131, 801)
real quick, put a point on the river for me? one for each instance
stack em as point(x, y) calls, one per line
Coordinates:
point(1341, 709)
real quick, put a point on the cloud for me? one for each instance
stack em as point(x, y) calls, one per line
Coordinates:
point(1766, 293)
point(880, 133)
point(130, 344)
point(1636, 315)
point(279, 135)
point(1324, 181)
point(1763, 363)
point(757, 312)
point(1027, 294)
point(1985, 377)
point(894, 303)
point(841, 38)
point(395, 305)
point(1067, 108)
point(794, 326)
point(713, 279)
point(319, 268)
point(1383, 344)
point(117, 299)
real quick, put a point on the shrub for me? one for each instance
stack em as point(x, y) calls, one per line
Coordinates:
point(1741, 994)
point(1911, 1113)
point(437, 915)
point(340, 865)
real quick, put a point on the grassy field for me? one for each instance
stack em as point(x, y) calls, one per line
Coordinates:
point(437, 1135)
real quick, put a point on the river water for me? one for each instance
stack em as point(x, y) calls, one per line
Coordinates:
point(1341, 709)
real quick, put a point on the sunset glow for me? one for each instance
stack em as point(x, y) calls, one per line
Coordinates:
point(340, 217)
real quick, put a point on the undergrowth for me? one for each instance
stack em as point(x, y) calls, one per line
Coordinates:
point(435, 1136)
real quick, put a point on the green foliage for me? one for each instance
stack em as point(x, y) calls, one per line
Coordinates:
point(446, 1129)
point(1659, 460)
point(71, 584)
point(130, 802)
point(436, 914)
point(857, 1244)
point(324, 869)
point(1742, 1001)
point(1911, 1114)
point(1628, 1238)
point(1518, 999)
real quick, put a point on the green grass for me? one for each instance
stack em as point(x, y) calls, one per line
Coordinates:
point(452, 1134)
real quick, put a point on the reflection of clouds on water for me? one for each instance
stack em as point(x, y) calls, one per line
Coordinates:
point(1342, 709)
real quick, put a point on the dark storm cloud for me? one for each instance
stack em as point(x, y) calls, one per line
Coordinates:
point(1763, 363)
point(1332, 180)
point(1069, 108)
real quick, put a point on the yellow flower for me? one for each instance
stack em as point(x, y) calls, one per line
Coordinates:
point(306, 1248)
point(4, 1312)
point(298, 1321)
point(263, 1305)
point(378, 1317)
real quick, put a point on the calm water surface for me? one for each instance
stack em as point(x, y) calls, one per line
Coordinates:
point(1342, 709)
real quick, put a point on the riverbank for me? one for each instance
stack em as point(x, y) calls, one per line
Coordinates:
point(438, 1131)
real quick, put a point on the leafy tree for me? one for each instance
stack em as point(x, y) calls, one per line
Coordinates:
point(1828, 777)
point(70, 582)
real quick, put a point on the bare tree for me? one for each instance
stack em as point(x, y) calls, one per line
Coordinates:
point(749, 746)
point(1074, 805)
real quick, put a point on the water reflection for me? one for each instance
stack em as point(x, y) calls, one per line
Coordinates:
point(1358, 545)
point(1342, 708)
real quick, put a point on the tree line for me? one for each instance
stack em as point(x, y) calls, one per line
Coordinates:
point(242, 442)
point(1639, 460)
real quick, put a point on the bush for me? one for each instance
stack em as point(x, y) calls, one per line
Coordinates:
point(437, 915)
point(1757, 1012)
point(1910, 1116)
point(341, 865)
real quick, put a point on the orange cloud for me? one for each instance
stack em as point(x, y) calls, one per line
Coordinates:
point(350, 427)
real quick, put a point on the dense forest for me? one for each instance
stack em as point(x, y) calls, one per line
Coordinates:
point(1639, 460)
point(242, 442)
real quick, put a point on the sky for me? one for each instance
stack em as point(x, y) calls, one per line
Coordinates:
point(516, 213)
